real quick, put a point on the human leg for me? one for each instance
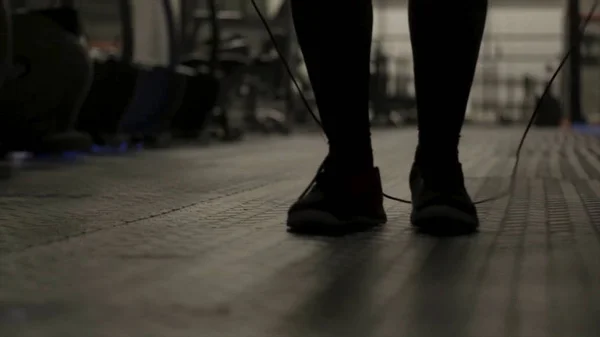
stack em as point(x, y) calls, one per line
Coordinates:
point(443, 80)
point(336, 44)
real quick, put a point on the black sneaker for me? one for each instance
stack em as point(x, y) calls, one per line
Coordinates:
point(337, 204)
point(441, 203)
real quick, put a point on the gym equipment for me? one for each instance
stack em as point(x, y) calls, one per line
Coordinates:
point(115, 78)
point(402, 105)
point(158, 94)
point(247, 88)
point(551, 113)
point(197, 102)
point(201, 91)
point(199, 99)
point(5, 68)
point(219, 76)
point(5, 41)
point(113, 85)
point(379, 85)
point(133, 103)
point(220, 115)
point(274, 109)
point(232, 74)
point(266, 92)
point(390, 108)
point(50, 79)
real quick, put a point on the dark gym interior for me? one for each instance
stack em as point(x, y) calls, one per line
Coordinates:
point(151, 148)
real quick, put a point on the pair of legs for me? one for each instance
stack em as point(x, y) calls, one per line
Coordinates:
point(335, 39)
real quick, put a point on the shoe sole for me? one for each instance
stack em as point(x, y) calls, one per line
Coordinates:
point(444, 220)
point(312, 221)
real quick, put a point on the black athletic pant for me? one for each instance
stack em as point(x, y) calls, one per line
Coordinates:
point(335, 38)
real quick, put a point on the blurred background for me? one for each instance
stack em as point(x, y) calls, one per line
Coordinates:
point(166, 70)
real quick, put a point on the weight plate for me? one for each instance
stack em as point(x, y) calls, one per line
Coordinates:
point(5, 40)
point(53, 72)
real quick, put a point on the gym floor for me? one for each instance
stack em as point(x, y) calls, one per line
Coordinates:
point(191, 242)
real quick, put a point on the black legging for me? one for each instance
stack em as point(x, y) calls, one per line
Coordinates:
point(335, 38)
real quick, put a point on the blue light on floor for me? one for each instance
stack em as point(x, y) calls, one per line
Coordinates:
point(67, 156)
point(587, 129)
point(70, 155)
point(97, 149)
point(106, 149)
point(123, 147)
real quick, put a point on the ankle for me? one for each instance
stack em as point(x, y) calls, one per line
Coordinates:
point(427, 156)
point(354, 185)
point(351, 163)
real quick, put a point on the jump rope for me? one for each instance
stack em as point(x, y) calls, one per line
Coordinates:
point(513, 176)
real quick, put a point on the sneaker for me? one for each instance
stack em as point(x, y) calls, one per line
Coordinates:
point(339, 203)
point(441, 203)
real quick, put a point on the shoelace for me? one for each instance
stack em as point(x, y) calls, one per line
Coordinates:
point(513, 176)
point(313, 182)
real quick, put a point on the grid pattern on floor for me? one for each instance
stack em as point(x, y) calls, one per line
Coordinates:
point(190, 242)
